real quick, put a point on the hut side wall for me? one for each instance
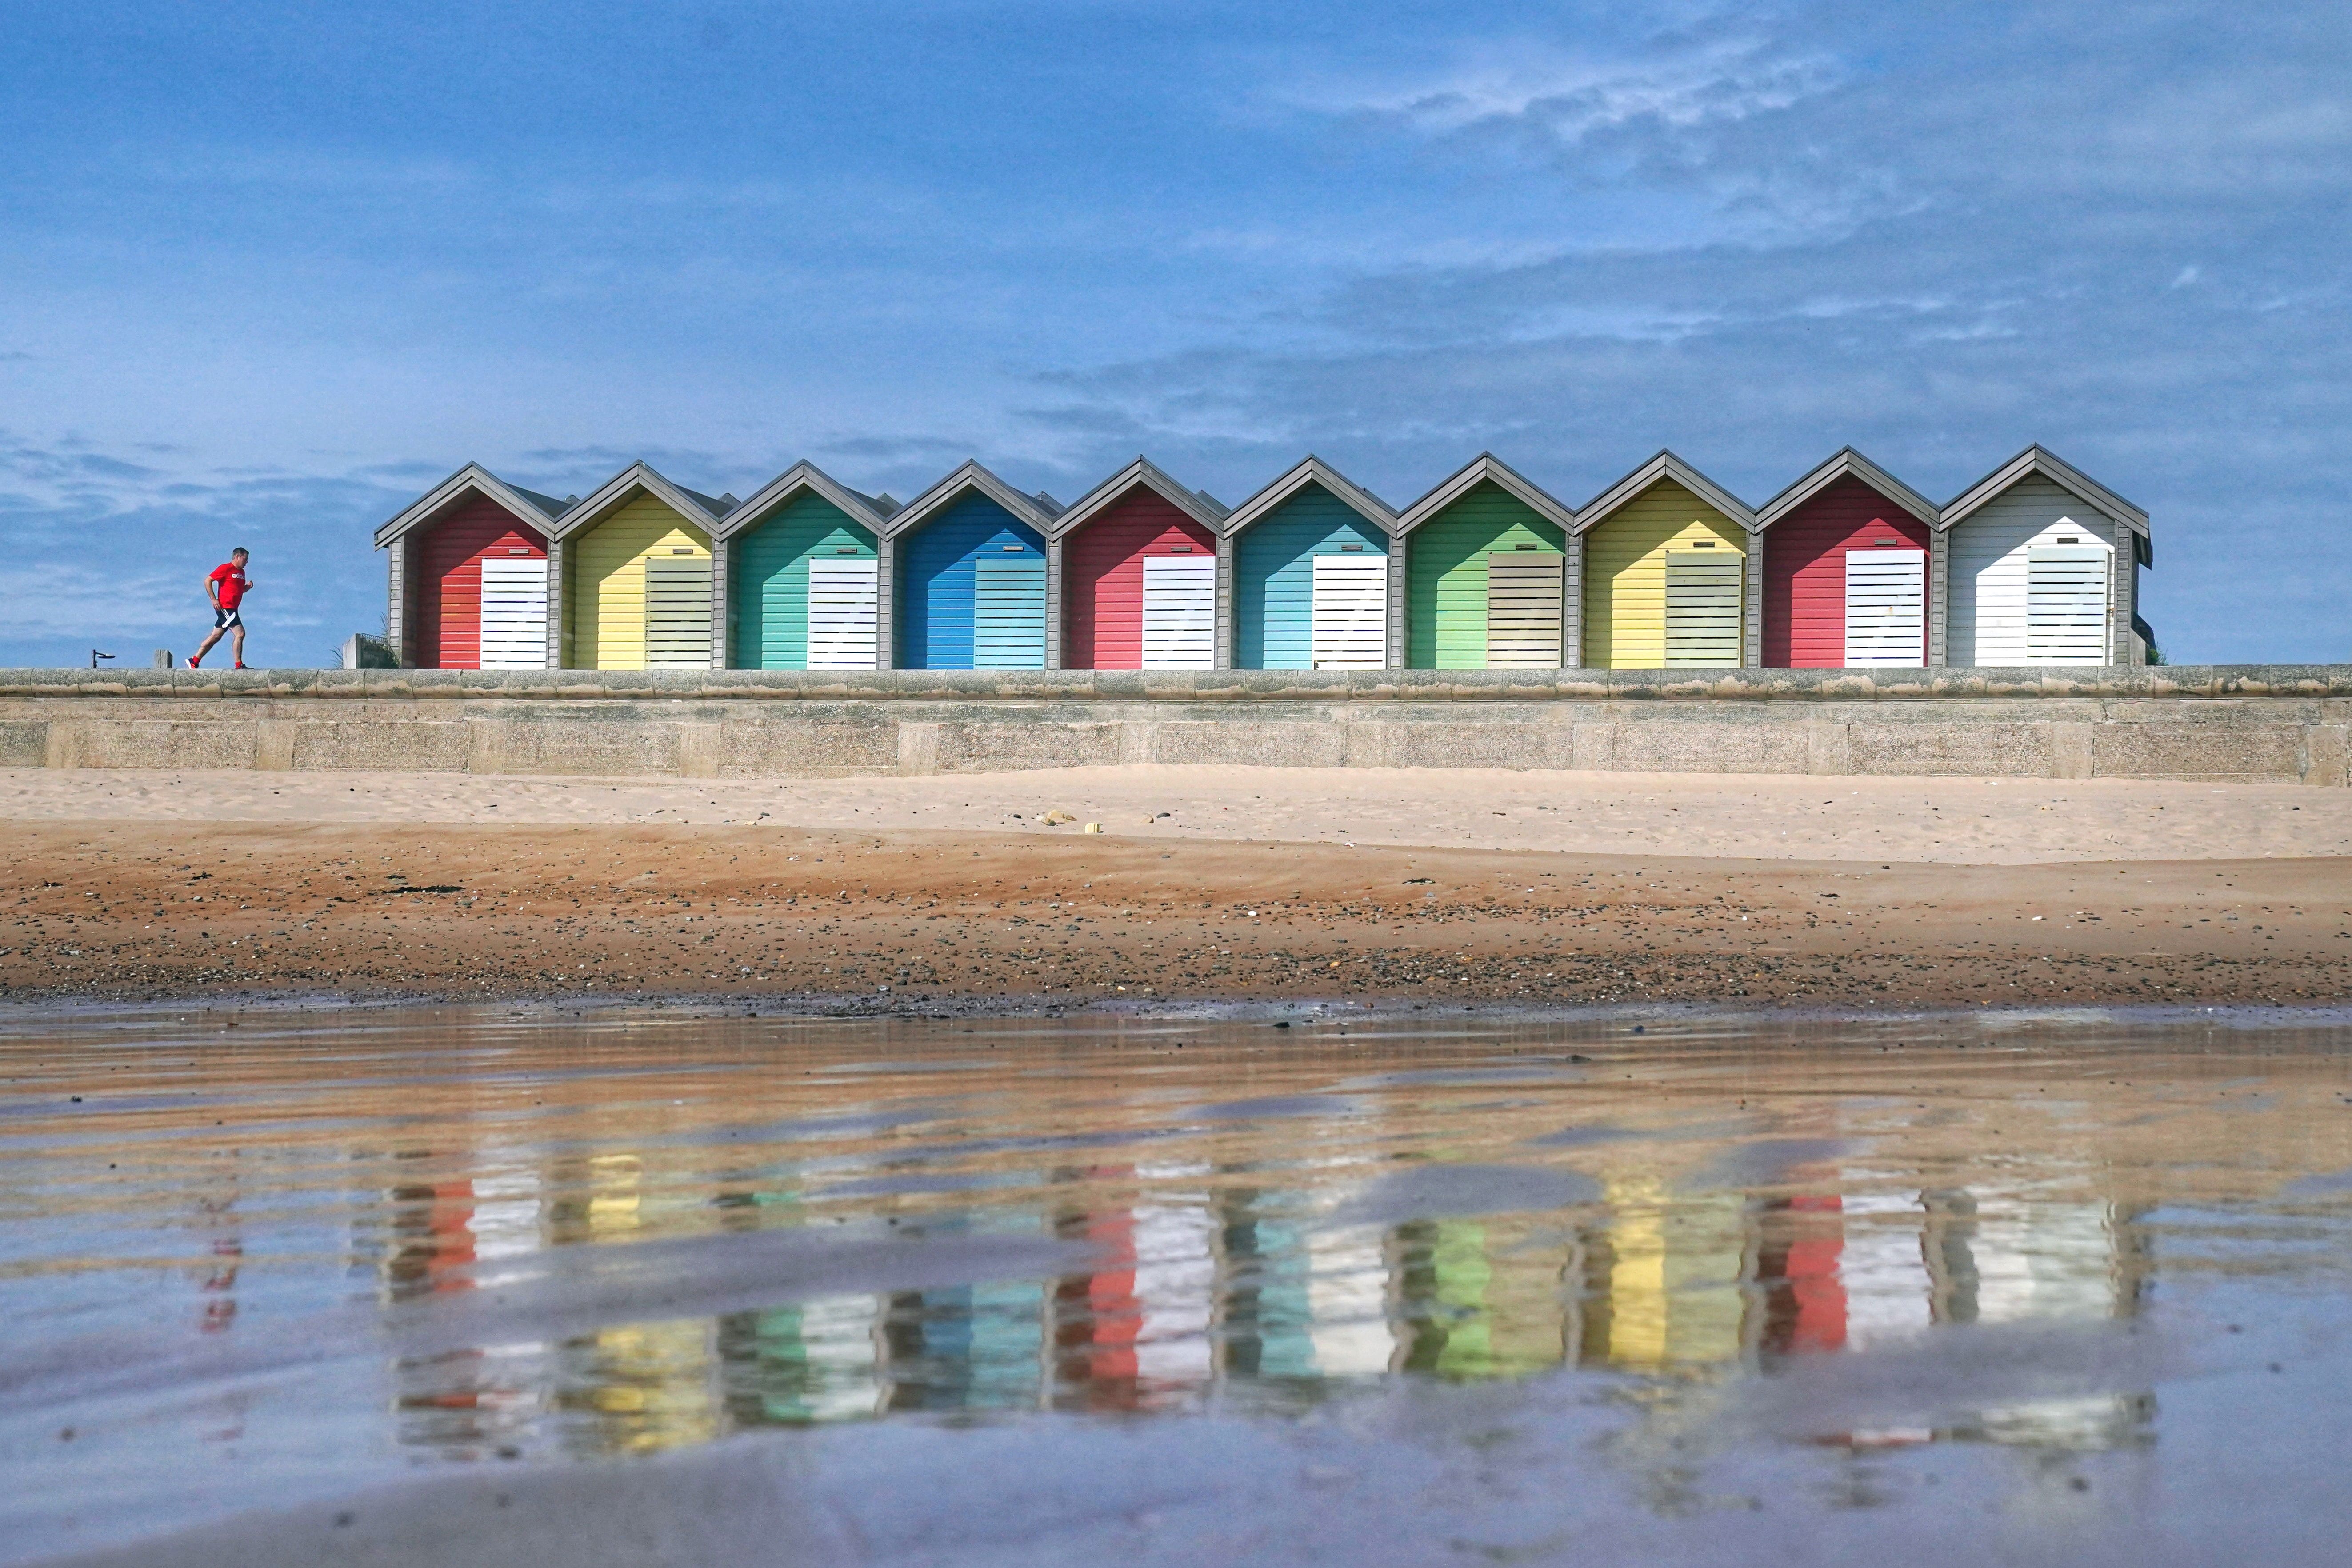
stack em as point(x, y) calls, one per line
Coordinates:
point(1988, 560)
point(1804, 571)
point(1273, 576)
point(448, 591)
point(606, 566)
point(1446, 574)
point(1625, 572)
point(768, 579)
point(936, 591)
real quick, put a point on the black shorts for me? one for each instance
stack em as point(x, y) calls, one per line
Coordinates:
point(224, 619)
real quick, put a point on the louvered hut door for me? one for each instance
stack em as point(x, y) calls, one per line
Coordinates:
point(1523, 610)
point(514, 611)
point(1179, 612)
point(1702, 607)
point(1008, 610)
point(1886, 607)
point(678, 611)
point(843, 599)
point(2066, 604)
point(1352, 612)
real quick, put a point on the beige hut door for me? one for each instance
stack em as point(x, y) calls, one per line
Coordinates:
point(1523, 593)
point(843, 599)
point(2066, 604)
point(514, 611)
point(1179, 612)
point(678, 611)
point(1702, 607)
point(1886, 607)
point(1352, 612)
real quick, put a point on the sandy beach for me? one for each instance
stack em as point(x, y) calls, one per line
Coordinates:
point(1226, 884)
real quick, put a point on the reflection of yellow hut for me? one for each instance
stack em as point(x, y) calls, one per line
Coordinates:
point(1664, 1281)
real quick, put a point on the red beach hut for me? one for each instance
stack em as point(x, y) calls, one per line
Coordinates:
point(1845, 569)
point(1134, 563)
point(469, 575)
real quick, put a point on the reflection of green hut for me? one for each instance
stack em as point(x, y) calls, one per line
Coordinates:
point(1482, 1299)
point(798, 1364)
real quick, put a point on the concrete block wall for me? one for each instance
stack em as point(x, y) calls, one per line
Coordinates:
point(2279, 723)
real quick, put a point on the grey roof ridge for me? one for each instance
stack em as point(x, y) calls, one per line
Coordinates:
point(1666, 465)
point(638, 475)
point(802, 475)
point(2039, 459)
point(525, 504)
point(1311, 469)
point(1483, 468)
point(968, 475)
point(1845, 460)
point(1149, 474)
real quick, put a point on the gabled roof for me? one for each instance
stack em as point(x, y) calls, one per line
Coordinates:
point(1664, 465)
point(700, 509)
point(1314, 470)
point(865, 510)
point(1150, 476)
point(540, 511)
point(1846, 463)
point(968, 476)
point(1486, 468)
point(2034, 459)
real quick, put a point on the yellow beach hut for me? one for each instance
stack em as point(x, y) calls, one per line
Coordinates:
point(1667, 569)
point(636, 563)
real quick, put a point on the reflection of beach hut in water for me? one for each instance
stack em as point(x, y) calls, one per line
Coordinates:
point(1666, 572)
point(2042, 562)
point(1480, 576)
point(1664, 1281)
point(801, 574)
point(1307, 559)
point(635, 563)
point(966, 563)
point(469, 575)
point(1845, 569)
point(1133, 565)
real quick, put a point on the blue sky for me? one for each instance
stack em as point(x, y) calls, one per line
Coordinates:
point(268, 272)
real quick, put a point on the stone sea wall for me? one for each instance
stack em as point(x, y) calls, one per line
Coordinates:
point(2278, 722)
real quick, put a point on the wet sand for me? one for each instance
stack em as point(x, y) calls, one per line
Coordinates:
point(944, 893)
point(462, 1286)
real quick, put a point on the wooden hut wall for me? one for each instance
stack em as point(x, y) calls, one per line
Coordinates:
point(616, 623)
point(1273, 575)
point(768, 579)
point(2030, 569)
point(1626, 573)
point(1446, 619)
point(1103, 571)
point(972, 591)
point(1805, 571)
point(448, 595)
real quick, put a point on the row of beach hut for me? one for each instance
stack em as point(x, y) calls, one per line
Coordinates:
point(2034, 563)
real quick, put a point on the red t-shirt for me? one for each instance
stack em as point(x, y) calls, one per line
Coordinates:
point(231, 578)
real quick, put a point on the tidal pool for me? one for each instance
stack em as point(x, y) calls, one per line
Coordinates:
point(465, 1285)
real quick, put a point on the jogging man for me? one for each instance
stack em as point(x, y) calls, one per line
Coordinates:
point(226, 588)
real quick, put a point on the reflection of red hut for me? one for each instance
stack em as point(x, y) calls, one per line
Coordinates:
point(1845, 569)
point(1810, 1313)
point(469, 575)
point(1134, 567)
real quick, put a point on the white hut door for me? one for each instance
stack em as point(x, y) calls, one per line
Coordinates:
point(514, 611)
point(1179, 612)
point(1703, 607)
point(843, 596)
point(678, 611)
point(1886, 607)
point(1352, 612)
point(1523, 593)
point(2066, 604)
